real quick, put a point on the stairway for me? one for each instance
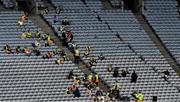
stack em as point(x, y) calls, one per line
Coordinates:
point(46, 28)
point(158, 43)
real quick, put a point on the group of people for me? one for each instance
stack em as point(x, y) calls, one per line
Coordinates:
point(124, 73)
point(22, 19)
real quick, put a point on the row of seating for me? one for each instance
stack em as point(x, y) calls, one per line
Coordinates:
point(32, 78)
point(89, 31)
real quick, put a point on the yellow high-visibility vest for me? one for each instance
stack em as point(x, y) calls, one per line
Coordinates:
point(140, 97)
point(77, 53)
point(97, 78)
point(90, 77)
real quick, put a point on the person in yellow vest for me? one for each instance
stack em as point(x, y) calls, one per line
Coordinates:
point(139, 97)
point(87, 51)
point(20, 23)
point(96, 79)
point(90, 78)
point(38, 34)
point(76, 80)
point(29, 34)
point(23, 35)
point(62, 59)
point(77, 56)
point(7, 49)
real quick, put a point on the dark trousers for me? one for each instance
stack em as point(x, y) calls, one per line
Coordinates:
point(76, 58)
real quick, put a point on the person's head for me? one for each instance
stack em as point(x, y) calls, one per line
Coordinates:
point(18, 46)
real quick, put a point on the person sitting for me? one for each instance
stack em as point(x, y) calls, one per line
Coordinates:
point(116, 89)
point(96, 79)
point(36, 44)
point(138, 96)
point(55, 20)
point(29, 34)
point(26, 34)
point(27, 51)
point(61, 60)
point(49, 42)
point(46, 10)
point(69, 37)
point(37, 34)
point(50, 54)
point(65, 21)
point(62, 28)
point(68, 91)
point(24, 18)
point(166, 72)
point(18, 49)
point(72, 47)
point(90, 78)
point(110, 68)
point(87, 51)
point(164, 76)
point(124, 73)
point(101, 57)
point(7, 49)
point(37, 52)
point(76, 91)
point(98, 94)
point(76, 80)
point(20, 23)
point(92, 61)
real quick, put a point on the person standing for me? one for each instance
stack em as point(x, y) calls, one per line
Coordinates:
point(134, 77)
point(77, 56)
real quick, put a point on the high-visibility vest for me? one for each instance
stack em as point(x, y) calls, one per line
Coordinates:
point(140, 97)
point(77, 53)
point(96, 78)
point(90, 77)
point(37, 33)
point(20, 23)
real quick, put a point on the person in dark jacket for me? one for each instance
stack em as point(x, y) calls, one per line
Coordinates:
point(116, 72)
point(76, 91)
point(134, 77)
point(70, 74)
